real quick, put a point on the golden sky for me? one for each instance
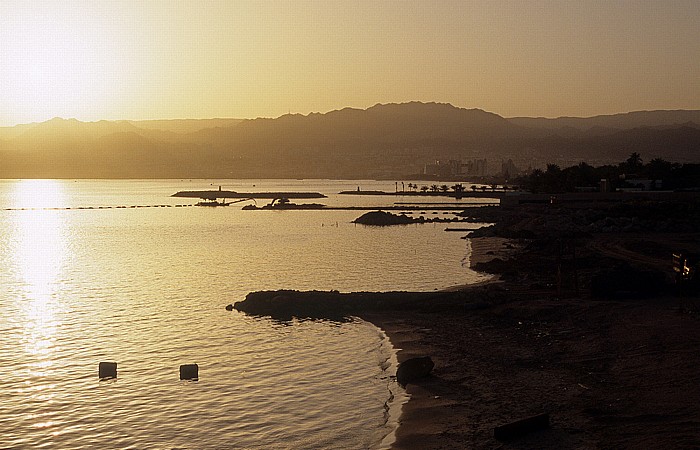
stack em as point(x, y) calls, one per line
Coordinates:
point(200, 59)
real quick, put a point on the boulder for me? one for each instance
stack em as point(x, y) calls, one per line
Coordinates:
point(413, 369)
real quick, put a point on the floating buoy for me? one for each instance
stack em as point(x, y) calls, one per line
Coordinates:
point(108, 370)
point(189, 372)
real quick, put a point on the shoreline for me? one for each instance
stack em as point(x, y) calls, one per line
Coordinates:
point(397, 395)
point(411, 423)
point(629, 383)
point(612, 373)
point(586, 327)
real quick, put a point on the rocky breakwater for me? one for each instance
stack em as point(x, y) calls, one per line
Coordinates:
point(383, 218)
point(334, 305)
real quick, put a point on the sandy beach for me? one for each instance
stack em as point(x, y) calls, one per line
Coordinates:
point(611, 374)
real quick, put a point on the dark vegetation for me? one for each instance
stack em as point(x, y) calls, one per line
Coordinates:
point(620, 249)
point(663, 175)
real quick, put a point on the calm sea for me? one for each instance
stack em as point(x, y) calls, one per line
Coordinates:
point(87, 276)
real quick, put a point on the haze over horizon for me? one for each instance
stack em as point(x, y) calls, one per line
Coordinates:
point(149, 60)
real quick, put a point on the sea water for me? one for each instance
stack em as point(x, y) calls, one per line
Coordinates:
point(95, 270)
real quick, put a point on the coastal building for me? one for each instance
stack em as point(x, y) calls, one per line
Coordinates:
point(437, 169)
point(638, 184)
point(508, 169)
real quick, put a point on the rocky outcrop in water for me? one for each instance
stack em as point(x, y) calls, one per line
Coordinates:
point(334, 305)
point(382, 218)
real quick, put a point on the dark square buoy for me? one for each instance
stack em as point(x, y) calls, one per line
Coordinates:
point(108, 370)
point(189, 372)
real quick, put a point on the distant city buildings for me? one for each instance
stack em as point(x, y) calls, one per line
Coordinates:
point(453, 167)
point(508, 169)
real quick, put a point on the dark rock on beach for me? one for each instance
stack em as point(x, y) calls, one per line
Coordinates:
point(414, 369)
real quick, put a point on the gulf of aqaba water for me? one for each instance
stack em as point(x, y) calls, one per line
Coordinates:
point(97, 271)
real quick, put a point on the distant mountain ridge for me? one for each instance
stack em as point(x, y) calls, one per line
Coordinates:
point(383, 141)
point(623, 121)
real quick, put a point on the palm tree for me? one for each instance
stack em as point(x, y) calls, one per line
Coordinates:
point(473, 187)
point(444, 188)
point(633, 163)
point(434, 187)
point(424, 188)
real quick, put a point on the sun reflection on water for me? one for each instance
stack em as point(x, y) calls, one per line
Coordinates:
point(38, 254)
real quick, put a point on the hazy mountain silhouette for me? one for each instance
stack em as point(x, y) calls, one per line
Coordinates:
point(182, 126)
point(606, 124)
point(392, 140)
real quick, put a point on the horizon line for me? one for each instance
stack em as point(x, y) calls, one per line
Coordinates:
point(346, 108)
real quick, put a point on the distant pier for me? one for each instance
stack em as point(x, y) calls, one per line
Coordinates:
point(213, 195)
point(457, 195)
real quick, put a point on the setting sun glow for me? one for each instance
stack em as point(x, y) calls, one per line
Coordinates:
point(245, 59)
point(57, 61)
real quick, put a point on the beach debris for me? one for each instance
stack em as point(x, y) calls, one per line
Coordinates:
point(189, 372)
point(108, 370)
point(521, 427)
point(413, 369)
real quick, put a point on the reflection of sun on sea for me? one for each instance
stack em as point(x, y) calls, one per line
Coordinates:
point(38, 252)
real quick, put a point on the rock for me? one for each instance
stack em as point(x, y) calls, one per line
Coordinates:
point(381, 218)
point(229, 307)
point(413, 369)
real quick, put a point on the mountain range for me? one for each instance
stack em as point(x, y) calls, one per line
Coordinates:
point(383, 141)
